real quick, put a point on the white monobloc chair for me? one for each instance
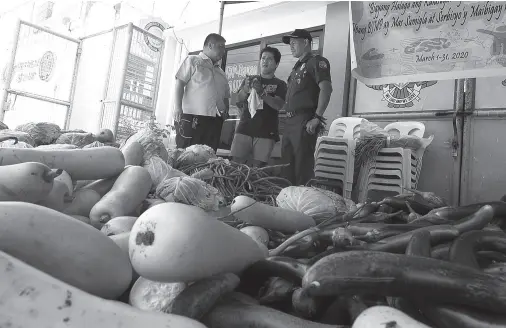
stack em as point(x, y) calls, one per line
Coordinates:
point(335, 153)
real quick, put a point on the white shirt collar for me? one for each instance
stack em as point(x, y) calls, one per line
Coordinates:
point(205, 57)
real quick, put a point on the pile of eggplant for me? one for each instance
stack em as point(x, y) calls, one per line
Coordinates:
point(441, 265)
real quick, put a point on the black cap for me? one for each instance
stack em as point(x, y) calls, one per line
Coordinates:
point(299, 34)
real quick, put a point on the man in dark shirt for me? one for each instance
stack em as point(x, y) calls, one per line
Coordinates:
point(256, 136)
point(307, 98)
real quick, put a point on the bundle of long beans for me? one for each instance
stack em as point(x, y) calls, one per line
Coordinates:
point(233, 179)
point(368, 147)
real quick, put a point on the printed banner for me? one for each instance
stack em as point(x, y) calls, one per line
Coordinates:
point(409, 41)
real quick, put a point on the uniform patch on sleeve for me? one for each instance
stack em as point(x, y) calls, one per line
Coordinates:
point(322, 64)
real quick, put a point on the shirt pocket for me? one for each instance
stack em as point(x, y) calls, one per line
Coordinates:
point(300, 80)
point(202, 74)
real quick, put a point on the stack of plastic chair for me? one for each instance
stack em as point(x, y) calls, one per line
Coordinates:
point(334, 154)
point(394, 169)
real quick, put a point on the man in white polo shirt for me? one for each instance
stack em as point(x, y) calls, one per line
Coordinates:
point(202, 96)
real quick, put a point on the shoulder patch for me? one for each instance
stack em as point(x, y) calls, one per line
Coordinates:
point(322, 64)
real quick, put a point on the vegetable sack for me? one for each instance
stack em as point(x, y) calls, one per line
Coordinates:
point(318, 203)
point(191, 191)
point(43, 133)
point(196, 154)
point(22, 136)
point(150, 138)
point(174, 155)
point(160, 171)
point(12, 144)
point(78, 139)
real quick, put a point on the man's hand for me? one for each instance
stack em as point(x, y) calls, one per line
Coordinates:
point(312, 125)
point(257, 85)
point(247, 84)
point(225, 116)
point(177, 114)
point(246, 87)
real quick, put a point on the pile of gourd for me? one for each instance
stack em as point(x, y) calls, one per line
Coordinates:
point(83, 243)
point(75, 253)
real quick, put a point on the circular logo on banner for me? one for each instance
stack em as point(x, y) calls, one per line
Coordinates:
point(156, 29)
point(46, 66)
point(402, 95)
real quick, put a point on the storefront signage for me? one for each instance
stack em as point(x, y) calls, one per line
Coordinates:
point(32, 69)
point(409, 41)
point(157, 29)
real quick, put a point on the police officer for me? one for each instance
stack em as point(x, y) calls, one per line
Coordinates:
point(307, 98)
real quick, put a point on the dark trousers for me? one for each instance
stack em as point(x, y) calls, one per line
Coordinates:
point(198, 130)
point(297, 149)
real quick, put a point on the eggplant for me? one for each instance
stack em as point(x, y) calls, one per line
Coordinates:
point(486, 258)
point(275, 290)
point(358, 229)
point(278, 266)
point(430, 198)
point(305, 247)
point(324, 236)
point(463, 249)
point(385, 208)
point(463, 252)
point(406, 306)
point(397, 244)
point(237, 315)
point(496, 268)
point(236, 297)
point(476, 221)
point(419, 244)
point(398, 203)
point(256, 275)
point(366, 210)
point(355, 306)
point(314, 259)
point(492, 227)
point(378, 217)
point(342, 238)
point(457, 213)
point(375, 236)
point(360, 272)
point(336, 313)
point(441, 252)
point(308, 307)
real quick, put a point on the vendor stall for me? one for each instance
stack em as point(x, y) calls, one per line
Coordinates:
point(116, 229)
